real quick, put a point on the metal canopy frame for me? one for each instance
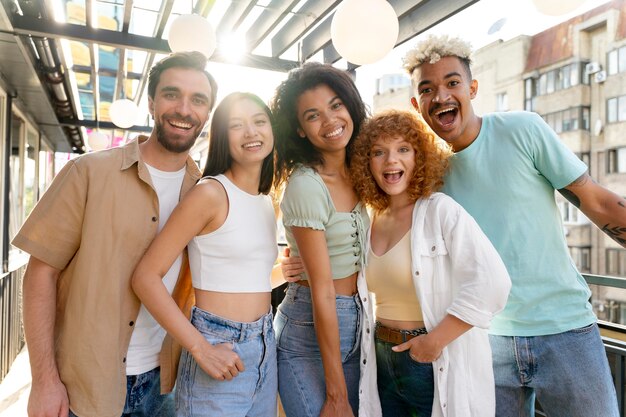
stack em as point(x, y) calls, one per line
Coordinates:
point(285, 24)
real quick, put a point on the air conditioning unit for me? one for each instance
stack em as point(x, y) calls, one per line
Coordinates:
point(600, 76)
point(592, 67)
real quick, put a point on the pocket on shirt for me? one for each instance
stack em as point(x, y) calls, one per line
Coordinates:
point(433, 247)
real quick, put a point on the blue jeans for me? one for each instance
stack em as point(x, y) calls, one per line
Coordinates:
point(568, 374)
point(405, 387)
point(252, 393)
point(143, 396)
point(300, 370)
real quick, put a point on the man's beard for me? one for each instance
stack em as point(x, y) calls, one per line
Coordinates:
point(172, 146)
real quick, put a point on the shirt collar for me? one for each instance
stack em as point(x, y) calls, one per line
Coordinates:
point(132, 155)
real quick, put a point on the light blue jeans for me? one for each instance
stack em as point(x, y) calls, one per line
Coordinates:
point(252, 393)
point(568, 374)
point(143, 396)
point(300, 371)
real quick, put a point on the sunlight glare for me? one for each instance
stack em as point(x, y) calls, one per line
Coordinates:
point(232, 47)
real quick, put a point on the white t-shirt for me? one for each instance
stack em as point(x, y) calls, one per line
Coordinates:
point(147, 338)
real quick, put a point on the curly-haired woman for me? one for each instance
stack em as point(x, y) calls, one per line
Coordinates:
point(436, 278)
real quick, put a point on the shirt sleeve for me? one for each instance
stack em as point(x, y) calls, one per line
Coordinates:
point(52, 232)
point(558, 164)
point(305, 204)
point(481, 278)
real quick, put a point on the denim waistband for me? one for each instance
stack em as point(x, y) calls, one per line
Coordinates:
point(239, 331)
point(296, 292)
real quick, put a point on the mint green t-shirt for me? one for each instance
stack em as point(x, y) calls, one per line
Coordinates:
point(506, 179)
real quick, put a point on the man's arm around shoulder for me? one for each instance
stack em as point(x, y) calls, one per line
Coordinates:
point(603, 207)
point(48, 396)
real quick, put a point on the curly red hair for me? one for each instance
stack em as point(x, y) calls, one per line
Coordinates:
point(431, 156)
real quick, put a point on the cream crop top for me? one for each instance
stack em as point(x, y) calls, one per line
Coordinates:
point(389, 278)
point(237, 257)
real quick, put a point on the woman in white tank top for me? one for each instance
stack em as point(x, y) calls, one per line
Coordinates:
point(228, 365)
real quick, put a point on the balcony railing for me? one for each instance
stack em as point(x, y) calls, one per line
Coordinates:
point(11, 331)
point(614, 338)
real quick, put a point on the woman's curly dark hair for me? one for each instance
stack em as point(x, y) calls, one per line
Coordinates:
point(431, 156)
point(290, 148)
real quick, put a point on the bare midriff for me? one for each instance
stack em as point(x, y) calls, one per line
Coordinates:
point(241, 307)
point(401, 325)
point(343, 286)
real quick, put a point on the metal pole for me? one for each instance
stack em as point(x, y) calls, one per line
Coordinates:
point(7, 182)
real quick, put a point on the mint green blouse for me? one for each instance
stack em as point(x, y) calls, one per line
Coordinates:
point(307, 203)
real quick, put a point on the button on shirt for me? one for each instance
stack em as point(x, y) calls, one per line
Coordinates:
point(94, 224)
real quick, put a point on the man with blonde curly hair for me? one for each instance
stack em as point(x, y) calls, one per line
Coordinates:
point(504, 171)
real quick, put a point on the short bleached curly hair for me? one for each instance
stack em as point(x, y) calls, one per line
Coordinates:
point(435, 47)
point(431, 157)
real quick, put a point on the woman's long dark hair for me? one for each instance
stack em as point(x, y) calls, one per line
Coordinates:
point(290, 148)
point(219, 159)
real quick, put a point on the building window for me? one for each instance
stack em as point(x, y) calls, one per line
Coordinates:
point(611, 62)
point(616, 262)
point(616, 60)
point(502, 102)
point(529, 93)
point(616, 109)
point(582, 258)
point(585, 118)
point(570, 215)
point(559, 79)
point(616, 160)
point(568, 120)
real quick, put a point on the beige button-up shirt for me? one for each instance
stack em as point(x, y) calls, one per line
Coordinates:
point(94, 223)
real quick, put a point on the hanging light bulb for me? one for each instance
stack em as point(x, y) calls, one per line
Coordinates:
point(123, 113)
point(557, 7)
point(364, 31)
point(191, 32)
point(97, 140)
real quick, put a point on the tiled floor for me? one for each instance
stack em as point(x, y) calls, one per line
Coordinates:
point(15, 388)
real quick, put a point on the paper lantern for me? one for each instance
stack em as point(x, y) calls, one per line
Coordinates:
point(557, 7)
point(364, 31)
point(191, 32)
point(98, 141)
point(123, 113)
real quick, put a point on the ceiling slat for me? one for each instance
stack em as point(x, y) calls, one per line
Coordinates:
point(273, 14)
point(308, 15)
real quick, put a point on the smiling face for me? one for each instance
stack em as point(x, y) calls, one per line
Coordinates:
point(180, 108)
point(250, 137)
point(392, 163)
point(324, 119)
point(443, 96)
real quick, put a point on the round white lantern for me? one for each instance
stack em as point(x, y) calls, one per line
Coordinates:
point(557, 7)
point(191, 32)
point(364, 31)
point(98, 141)
point(123, 113)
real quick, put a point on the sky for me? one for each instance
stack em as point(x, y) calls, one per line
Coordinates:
point(472, 24)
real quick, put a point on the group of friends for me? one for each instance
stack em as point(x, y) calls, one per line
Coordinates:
point(424, 280)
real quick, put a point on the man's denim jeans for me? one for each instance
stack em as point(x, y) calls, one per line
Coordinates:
point(143, 396)
point(405, 387)
point(252, 393)
point(300, 370)
point(568, 374)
